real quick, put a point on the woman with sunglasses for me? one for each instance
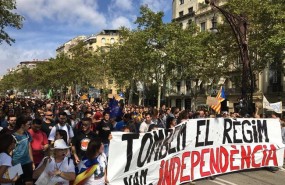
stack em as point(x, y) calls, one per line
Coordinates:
point(6, 149)
point(58, 169)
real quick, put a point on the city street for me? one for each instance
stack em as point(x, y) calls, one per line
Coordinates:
point(248, 177)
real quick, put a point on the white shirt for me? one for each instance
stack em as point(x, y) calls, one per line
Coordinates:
point(70, 134)
point(5, 160)
point(98, 177)
point(65, 166)
point(144, 127)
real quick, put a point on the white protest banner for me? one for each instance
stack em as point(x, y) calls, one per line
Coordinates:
point(276, 107)
point(195, 149)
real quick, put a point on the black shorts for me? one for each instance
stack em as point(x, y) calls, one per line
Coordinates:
point(27, 175)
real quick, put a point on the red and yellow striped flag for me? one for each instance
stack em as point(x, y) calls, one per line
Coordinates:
point(221, 97)
point(80, 179)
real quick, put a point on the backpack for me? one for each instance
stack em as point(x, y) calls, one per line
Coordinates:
point(26, 133)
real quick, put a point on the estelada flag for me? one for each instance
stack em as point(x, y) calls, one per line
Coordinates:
point(221, 96)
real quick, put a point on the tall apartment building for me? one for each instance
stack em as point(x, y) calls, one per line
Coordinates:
point(64, 48)
point(101, 40)
point(190, 94)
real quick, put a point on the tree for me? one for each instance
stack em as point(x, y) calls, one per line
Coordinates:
point(265, 33)
point(173, 53)
point(154, 52)
point(125, 59)
point(8, 18)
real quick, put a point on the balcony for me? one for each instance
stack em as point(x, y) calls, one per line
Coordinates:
point(274, 88)
point(233, 91)
point(186, 16)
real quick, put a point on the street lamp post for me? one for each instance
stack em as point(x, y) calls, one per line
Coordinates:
point(239, 25)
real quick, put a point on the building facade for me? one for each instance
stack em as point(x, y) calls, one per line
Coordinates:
point(192, 93)
point(96, 43)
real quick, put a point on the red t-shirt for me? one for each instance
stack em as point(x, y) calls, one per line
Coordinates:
point(39, 140)
point(98, 116)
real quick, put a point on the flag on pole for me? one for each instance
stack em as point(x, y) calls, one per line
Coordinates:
point(221, 96)
point(49, 95)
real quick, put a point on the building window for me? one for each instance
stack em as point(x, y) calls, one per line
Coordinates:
point(188, 85)
point(178, 103)
point(112, 40)
point(181, 1)
point(189, 22)
point(190, 10)
point(203, 26)
point(103, 40)
point(178, 85)
point(181, 14)
point(274, 77)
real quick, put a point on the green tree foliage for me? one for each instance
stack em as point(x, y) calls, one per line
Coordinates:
point(155, 51)
point(265, 33)
point(8, 18)
point(8, 82)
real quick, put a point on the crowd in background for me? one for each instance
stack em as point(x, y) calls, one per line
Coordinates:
point(57, 140)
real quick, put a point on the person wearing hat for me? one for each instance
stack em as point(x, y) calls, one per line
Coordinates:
point(59, 169)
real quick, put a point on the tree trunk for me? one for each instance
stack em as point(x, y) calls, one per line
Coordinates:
point(164, 89)
point(131, 92)
point(140, 98)
point(158, 96)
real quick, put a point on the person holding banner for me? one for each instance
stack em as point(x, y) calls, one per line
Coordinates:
point(144, 125)
point(171, 122)
point(92, 170)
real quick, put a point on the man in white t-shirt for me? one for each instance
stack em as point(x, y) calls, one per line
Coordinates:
point(62, 125)
point(145, 124)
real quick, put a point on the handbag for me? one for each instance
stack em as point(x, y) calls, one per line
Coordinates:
point(44, 179)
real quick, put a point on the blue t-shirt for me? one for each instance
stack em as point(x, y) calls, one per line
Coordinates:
point(120, 125)
point(21, 153)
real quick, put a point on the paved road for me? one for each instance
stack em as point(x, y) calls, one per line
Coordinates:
point(249, 177)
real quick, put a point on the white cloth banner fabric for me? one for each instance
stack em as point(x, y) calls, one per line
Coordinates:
point(276, 107)
point(192, 150)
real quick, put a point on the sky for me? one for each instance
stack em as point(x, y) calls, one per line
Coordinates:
point(50, 23)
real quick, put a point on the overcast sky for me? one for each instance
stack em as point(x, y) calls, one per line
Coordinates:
point(50, 23)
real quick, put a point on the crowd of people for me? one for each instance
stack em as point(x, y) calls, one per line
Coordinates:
point(55, 141)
